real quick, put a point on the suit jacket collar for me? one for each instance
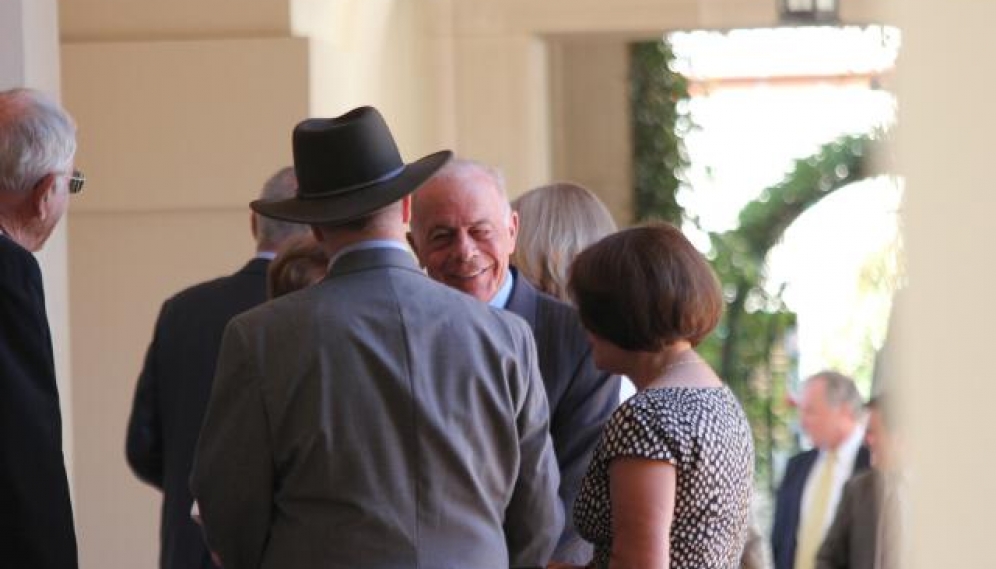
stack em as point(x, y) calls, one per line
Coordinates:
point(366, 259)
point(862, 461)
point(256, 266)
point(523, 300)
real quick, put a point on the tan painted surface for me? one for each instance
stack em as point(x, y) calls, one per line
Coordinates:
point(946, 152)
point(144, 20)
point(123, 267)
point(591, 130)
point(176, 138)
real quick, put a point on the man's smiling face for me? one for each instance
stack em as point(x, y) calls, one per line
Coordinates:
point(463, 232)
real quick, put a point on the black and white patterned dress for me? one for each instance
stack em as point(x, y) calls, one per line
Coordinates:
point(704, 433)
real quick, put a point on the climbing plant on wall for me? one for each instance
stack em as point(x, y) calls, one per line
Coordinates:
point(660, 121)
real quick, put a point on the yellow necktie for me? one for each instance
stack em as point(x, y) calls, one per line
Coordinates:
point(811, 528)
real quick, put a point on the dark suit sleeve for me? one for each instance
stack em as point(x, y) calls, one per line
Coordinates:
point(576, 425)
point(835, 553)
point(534, 517)
point(36, 521)
point(144, 446)
point(785, 525)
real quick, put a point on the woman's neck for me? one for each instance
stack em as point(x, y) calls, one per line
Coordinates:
point(649, 366)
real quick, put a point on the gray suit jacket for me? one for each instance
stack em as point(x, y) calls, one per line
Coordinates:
point(377, 420)
point(851, 540)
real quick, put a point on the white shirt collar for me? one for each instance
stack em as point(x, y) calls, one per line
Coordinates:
point(848, 449)
point(501, 298)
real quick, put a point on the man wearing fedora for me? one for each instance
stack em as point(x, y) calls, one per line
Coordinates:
point(175, 382)
point(376, 419)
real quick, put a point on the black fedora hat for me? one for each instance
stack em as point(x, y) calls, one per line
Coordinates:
point(348, 167)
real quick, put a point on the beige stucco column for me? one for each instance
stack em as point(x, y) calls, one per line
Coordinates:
point(946, 324)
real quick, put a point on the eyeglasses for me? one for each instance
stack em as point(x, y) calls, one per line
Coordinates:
point(76, 181)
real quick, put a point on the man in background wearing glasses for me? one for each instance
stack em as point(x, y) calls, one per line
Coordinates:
point(37, 147)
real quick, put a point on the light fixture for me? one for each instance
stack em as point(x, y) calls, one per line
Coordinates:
point(809, 11)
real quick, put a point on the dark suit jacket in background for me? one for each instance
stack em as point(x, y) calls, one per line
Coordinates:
point(581, 397)
point(788, 503)
point(36, 517)
point(171, 397)
point(850, 542)
point(378, 419)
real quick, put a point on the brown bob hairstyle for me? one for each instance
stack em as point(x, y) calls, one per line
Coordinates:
point(302, 261)
point(645, 288)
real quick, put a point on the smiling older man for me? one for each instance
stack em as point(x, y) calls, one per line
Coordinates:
point(463, 232)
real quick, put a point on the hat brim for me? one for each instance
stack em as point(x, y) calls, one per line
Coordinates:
point(343, 208)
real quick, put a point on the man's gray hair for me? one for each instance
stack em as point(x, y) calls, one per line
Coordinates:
point(840, 390)
point(458, 169)
point(270, 233)
point(37, 138)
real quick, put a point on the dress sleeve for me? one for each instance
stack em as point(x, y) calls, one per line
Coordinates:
point(636, 431)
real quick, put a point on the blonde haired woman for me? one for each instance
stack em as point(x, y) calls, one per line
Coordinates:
point(556, 222)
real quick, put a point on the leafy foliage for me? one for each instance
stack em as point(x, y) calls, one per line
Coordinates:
point(659, 125)
point(746, 349)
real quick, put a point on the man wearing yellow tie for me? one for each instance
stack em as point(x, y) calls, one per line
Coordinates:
point(830, 411)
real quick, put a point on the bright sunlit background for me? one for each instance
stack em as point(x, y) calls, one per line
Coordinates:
point(762, 99)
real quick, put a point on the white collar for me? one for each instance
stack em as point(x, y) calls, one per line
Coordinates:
point(849, 448)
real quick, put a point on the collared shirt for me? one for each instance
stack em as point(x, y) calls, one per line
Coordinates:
point(842, 471)
point(500, 299)
point(369, 244)
point(268, 255)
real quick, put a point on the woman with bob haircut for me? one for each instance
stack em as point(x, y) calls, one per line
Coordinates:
point(671, 479)
point(301, 262)
point(556, 222)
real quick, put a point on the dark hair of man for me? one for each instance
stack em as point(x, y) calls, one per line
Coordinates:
point(645, 288)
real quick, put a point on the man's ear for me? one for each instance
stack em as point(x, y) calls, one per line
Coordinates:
point(316, 232)
point(40, 194)
point(513, 226)
point(406, 209)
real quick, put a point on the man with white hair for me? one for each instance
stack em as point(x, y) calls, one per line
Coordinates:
point(37, 148)
point(830, 411)
point(463, 232)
